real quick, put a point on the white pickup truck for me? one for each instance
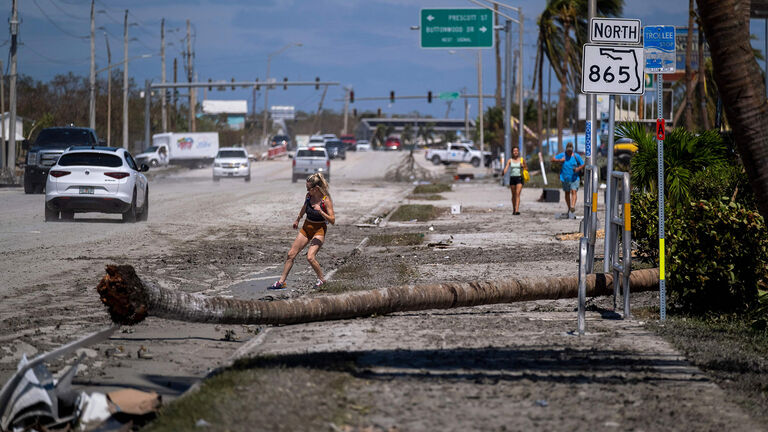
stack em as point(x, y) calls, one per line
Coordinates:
point(456, 153)
point(310, 160)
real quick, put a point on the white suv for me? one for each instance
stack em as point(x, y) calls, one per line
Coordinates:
point(96, 179)
point(232, 162)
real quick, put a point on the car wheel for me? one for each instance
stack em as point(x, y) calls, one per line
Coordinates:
point(38, 188)
point(28, 186)
point(294, 179)
point(144, 215)
point(130, 214)
point(51, 215)
point(344, 158)
point(475, 162)
point(247, 178)
point(68, 215)
point(215, 178)
point(436, 160)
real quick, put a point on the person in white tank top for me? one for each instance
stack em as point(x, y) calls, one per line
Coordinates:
point(515, 165)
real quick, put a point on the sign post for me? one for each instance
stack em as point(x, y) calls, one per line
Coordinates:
point(659, 44)
point(456, 28)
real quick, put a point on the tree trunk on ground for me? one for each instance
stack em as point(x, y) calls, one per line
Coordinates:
point(702, 79)
point(741, 87)
point(130, 300)
point(689, 123)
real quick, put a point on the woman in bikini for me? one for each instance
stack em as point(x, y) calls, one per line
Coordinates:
point(319, 210)
point(516, 165)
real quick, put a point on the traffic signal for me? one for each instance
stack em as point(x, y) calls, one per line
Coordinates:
point(392, 96)
point(209, 85)
point(378, 112)
point(233, 80)
point(354, 112)
point(258, 87)
point(285, 86)
point(167, 96)
point(429, 96)
point(351, 96)
point(317, 86)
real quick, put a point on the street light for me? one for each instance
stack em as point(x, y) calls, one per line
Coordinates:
point(266, 88)
point(479, 94)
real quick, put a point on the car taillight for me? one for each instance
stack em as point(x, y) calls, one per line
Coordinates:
point(294, 162)
point(117, 175)
point(328, 163)
point(57, 173)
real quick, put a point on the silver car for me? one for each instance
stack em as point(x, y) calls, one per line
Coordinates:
point(232, 162)
point(310, 160)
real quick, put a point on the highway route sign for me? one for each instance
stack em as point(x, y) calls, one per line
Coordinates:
point(615, 30)
point(659, 45)
point(456, 28)
point(612, 70)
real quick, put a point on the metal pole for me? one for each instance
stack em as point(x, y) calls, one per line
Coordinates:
point(660, 143)
point(191, 120)
point(507, 95)
point(147, 106)
point(766, 56)
point(163, 107)
point(480, 98)
point(521, 132)
point(582, 286)
point(609, 183)
point(11, 162)
point(466, 118)
point(346, 110)
point(266, 100)
point(175, 99)
point(109, 92)
point(2, 112)
point(92, 100)
point(125, 81)
point(549, 98)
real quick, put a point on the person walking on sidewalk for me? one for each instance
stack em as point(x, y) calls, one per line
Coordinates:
point(515, 165)
point(318, 208)
point(569, 177)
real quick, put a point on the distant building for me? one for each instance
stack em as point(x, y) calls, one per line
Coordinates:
point(233, 110)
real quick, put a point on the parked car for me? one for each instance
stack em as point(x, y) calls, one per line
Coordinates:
point(97, 179)
point(363, 145)
point(232, 162)
point(49, 145)
point(280, 140)
point(336, 149)
point(349, 141)
point(311, 160)
point(392, 143)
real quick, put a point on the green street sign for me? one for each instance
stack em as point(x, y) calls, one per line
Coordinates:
point(456, 28)
point(448, 95)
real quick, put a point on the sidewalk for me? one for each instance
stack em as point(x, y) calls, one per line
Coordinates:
point(502, 367)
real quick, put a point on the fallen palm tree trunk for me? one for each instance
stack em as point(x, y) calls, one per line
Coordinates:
point(129, 299)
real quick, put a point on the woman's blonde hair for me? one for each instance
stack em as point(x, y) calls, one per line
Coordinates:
point(319, 180)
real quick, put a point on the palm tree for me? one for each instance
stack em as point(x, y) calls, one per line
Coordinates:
point(381, 133)
point(129, 299)
point(426, 132)
point(407, 134)
point(741, 87)
point(563, 50)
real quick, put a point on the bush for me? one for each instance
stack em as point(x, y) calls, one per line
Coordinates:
point(717, 252)
point(716, 182)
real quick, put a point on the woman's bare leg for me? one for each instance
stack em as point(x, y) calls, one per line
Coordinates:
point(516, 197)
point(314, 247)
point(298, 245)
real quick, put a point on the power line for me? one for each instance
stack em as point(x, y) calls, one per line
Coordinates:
point(56, 25)
point(67, 13)
point(57, 61)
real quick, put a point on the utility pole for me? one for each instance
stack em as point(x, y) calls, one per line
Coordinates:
point(164, 109)
point(521, 118)
point(346, 109)
point(480, 98)
point(109, 91)
point(2, 114)
point(175, 99)
point(11, 162)
point(125, 81)
point(190, 76)
point(92, 105)
point(507, 96)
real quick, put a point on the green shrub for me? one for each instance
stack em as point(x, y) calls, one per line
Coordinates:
point(727, 181)
point(716, 252)
point(432, 188)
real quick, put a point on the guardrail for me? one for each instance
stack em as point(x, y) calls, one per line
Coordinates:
point(276, 151)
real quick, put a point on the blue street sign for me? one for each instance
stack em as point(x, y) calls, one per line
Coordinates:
point(588, 138)
point(659, 47)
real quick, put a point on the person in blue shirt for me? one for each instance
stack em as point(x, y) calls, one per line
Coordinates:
point(569, 177)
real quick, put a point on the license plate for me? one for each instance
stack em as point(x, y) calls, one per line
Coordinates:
point(86, 190)
point(230, 174)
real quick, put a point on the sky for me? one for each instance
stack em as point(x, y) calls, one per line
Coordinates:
point(363, 44)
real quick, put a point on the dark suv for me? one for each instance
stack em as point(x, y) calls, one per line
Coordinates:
point(336, 149)
point(49, 145)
